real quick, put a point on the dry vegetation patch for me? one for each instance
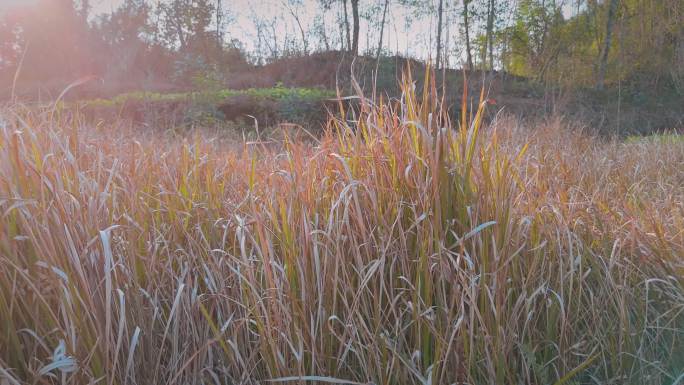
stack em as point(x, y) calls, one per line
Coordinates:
point(402, 249)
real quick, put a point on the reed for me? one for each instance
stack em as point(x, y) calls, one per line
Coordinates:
point(403, 248)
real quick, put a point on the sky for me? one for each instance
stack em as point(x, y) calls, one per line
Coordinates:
point(5, 4)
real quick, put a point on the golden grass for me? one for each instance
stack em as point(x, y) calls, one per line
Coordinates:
point(402, 249)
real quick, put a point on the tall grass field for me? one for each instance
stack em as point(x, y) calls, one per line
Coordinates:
point(403, 246)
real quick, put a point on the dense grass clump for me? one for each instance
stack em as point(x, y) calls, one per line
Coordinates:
point(402, 249)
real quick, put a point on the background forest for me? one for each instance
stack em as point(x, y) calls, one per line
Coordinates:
point(571, 42)
point(617, 64)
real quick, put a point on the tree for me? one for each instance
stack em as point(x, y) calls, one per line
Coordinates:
point(536, 38)
point(345, 29)
point(185, 23)
point(466, 26)
point(268, 39)
point(346, 25)
point(295, 15)
point(126, 36)
point(320, 30)
point(610, 19)
point(127, 24)
point(489, 36)
point(219, 24)
point(382, 30)
point(357, 27)
point(440, 11)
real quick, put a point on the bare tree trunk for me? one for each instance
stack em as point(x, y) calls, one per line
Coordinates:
point(490, 35)
point(323, 34)
point(447, 36)
point(357, 27)
point(610, 20)
point(469, 54)
point(343, 46)
point(346, 25)
point(382, 30)
point(181, 36)
point(274, 35)
point(438, 59)
point(219, 37)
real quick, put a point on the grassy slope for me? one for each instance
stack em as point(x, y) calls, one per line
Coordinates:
point(276, 93)
point(393, 252)
point(215, 106)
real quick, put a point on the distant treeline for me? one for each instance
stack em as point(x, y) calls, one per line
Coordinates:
point(184, 43)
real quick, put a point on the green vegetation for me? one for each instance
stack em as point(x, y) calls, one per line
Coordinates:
point(402, 248)
point(269, 106)
point(274, 93)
